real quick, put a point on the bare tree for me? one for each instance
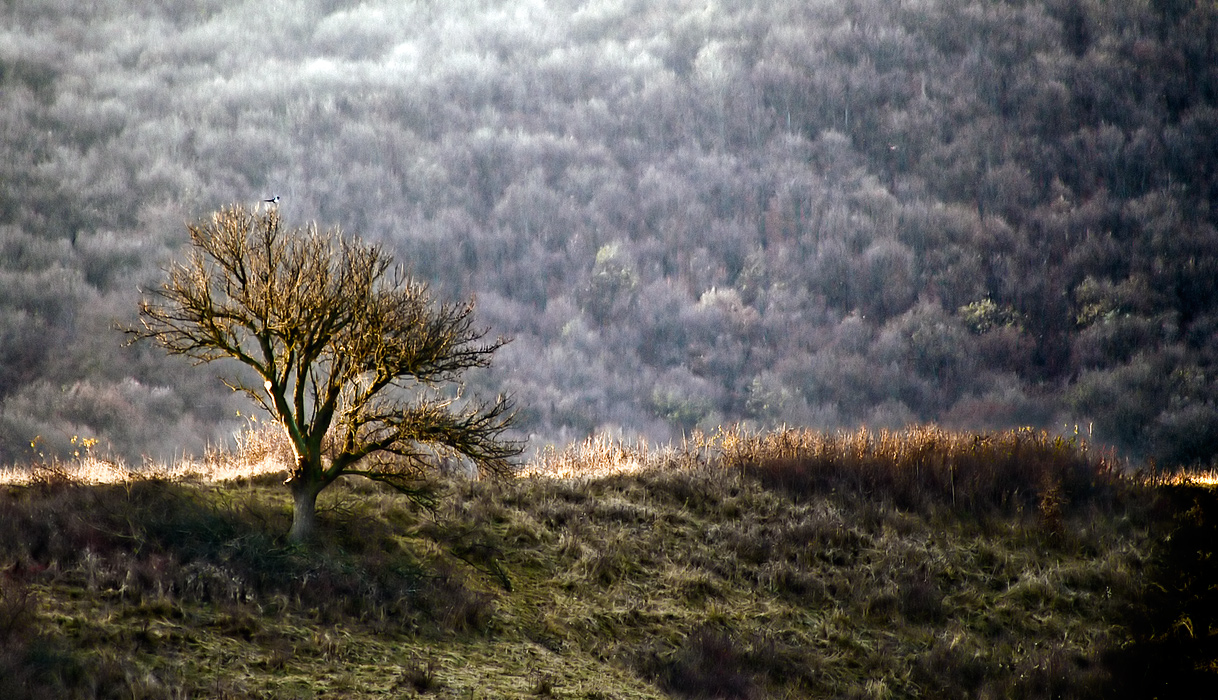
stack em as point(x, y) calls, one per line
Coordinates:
point(354, 354)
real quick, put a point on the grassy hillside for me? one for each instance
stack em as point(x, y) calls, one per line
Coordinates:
point(790, 564)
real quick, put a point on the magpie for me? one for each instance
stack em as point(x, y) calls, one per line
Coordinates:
point(272, 200)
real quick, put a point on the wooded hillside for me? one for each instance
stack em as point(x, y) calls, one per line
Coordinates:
point(979, 213)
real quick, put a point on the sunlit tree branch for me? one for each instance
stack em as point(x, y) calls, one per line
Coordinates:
point(352, 352)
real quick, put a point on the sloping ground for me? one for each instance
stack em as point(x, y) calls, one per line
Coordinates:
point(738, 576)
point(1176, 650)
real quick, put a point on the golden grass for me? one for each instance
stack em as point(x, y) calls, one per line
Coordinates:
point(101, 471)
point(261, 449)
point(900, 449)
point(1206, 478)
point(594, 458)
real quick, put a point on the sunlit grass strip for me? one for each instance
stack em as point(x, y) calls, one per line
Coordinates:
point(100, 471)
point(1208, 478)
point(261, 449)
point(595, 457)
point(931, 457)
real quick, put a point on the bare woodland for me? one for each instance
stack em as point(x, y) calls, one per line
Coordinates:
point(980, 214)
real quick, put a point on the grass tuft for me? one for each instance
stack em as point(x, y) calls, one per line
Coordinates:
point(925, 468)
point(709, 664)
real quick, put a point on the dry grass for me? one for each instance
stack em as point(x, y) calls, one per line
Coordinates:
point(593, 458)
point(712, 584)
point(100, 471)
point(923, 467)
point(788, 564)
point(1207, 478)
point(261, 450)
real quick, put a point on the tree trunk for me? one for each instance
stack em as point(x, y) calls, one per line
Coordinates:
point(304, 511)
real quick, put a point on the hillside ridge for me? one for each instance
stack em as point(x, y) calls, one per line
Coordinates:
point(747, 572)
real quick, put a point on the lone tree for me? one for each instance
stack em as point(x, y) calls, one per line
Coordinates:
point(354, 354)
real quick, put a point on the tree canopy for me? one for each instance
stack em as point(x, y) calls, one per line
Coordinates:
point(354, 355)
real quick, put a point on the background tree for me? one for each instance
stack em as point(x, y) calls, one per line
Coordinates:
point(353, 353)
